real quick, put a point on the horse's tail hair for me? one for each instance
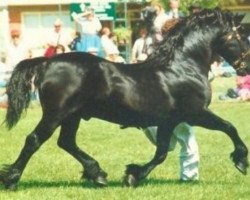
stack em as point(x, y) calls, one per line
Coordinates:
point(19, 87)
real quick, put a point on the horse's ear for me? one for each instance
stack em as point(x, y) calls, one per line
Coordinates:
point(239, 17)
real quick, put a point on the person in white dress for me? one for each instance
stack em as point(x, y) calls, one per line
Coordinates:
point(90, 26)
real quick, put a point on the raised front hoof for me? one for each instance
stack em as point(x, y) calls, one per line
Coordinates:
point(241, 164)
point(130, 181)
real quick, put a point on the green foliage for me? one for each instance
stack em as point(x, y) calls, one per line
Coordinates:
point(52, 174)
point(184, 7)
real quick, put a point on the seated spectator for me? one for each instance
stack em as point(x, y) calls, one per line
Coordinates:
point(56, 37)
point(60, 49)
point(110, 49)
point(242, 90)
point(243, 87)
point(142, 47)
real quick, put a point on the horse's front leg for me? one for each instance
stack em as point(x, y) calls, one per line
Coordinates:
point(209, 120)
point(135, 173)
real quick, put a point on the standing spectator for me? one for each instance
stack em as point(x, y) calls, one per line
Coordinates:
point(91, 26)
point(17, 50)
point(142, 47)
point(110, 49)
point(159, 21)
point(183, 133)
point(76, 41)
point(174, 12)
point(58, 36)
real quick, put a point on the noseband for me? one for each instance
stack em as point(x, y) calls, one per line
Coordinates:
point(239, 64)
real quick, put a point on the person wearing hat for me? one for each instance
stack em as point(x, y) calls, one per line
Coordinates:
point(17, 50)
point(90, 26)
point(57, 37)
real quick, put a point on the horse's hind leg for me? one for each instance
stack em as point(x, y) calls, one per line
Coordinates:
point(209, 120)
point(135, 173)
point(11, 174)
point(67, 141)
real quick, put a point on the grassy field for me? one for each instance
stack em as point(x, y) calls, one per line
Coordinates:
point(52, 174)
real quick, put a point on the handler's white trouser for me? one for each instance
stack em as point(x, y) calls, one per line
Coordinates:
point(189, 154)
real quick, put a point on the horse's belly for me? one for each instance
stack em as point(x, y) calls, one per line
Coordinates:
point(121, 115)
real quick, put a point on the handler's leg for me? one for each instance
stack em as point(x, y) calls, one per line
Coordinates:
point(189, 154)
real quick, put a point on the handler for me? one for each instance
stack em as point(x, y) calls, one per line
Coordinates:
point(183, 133)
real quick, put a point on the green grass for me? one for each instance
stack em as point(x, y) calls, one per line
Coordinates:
point(53, 174)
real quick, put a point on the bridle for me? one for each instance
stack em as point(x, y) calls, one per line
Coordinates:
point(239, 64)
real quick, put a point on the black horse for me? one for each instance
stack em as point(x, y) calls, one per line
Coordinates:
point(170, 87)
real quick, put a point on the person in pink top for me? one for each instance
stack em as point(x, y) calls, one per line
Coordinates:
point(243, 87)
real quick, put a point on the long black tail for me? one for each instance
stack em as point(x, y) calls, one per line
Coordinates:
point(19, 88)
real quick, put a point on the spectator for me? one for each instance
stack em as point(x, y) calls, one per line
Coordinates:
point(58, 36)
point(159, 21)
point(242, 90)
point(174, 12)
point(243, 87)
point(17, 50)
point(76, 41)
point(111, 51)
point(142, 47)
point(3, 72)
point(60, 49)
point(90, 28)
point(183, 133)
point(194, 8)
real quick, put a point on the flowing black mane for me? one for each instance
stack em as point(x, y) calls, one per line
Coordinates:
point(207, 21)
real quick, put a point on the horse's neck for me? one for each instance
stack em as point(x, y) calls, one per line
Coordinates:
point(199, 46)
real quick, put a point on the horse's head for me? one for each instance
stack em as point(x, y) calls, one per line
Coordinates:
point(235, 46)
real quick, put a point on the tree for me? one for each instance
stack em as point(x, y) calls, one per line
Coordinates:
point(185, 4)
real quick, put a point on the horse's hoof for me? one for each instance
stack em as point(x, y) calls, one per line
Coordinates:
point(242, 166)
point(11, 187)
point(101, 181)
point(130, 181)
